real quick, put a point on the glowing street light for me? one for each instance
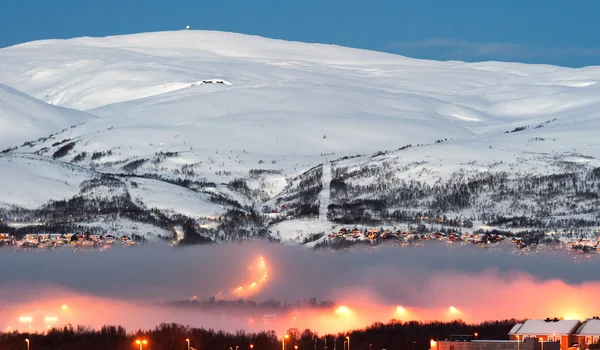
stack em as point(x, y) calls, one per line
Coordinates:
point(296, 347)
point(51, 319)
point(476, 334)
point(188, 343)
point(251, 346)
point(141, 343)
point(342, 310)
point(283, 341)
point(27, 341)
point(348, 338)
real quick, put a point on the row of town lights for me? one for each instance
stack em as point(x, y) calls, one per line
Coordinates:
point(143, 342)
point(296, 346)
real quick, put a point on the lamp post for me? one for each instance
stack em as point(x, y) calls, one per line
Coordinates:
point(141, 343)
point(476, 334)
point(349, 342)
point(370, 346)
point(27, 341)
point(188, 343)
point(542, 341)
point(345, 344)
point(283, 341)
point(251, 346)
point(518, 343)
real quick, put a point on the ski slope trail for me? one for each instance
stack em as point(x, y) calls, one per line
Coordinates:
point(324, 196)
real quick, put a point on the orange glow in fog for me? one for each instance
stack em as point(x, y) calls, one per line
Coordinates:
point(258, 276)
point(342, 310)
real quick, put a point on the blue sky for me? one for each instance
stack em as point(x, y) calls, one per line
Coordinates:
point(561, 32)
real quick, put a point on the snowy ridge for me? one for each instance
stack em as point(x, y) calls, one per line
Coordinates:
point(23, 118)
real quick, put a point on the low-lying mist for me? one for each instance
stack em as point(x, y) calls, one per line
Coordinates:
point(128, 286)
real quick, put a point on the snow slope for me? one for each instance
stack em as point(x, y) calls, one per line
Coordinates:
point(23, 118)
point(30, 181)
point(172, 199)
point(214, 107)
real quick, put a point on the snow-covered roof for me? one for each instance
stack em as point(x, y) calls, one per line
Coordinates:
point(542, 327)
point(590, 327)
point(515, 328)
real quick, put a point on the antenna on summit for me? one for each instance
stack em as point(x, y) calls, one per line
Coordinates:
point(187, 27)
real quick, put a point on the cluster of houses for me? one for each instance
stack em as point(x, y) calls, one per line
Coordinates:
point(51, 240)
point(548, 334)
point(482, 238)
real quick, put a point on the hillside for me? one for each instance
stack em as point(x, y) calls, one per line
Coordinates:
point(23, 118)
point(221, 128)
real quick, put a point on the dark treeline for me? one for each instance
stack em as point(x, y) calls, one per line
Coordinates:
point(300, 197)
point(394, 335)
point(373, 193)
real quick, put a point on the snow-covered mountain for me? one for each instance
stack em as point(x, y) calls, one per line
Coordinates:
point(23, 118)
point(197, 123)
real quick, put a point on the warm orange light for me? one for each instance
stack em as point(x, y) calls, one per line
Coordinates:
point(342, 310)
point(25, 319)
point(400, 310)
point(296, 347)
point(573, 316)
point(286, 336)
point(51, 319)
point(251, 346)
point(258, 272)
point(476, 334)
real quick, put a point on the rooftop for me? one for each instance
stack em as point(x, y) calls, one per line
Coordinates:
point(547, 327)
point(589, 327)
